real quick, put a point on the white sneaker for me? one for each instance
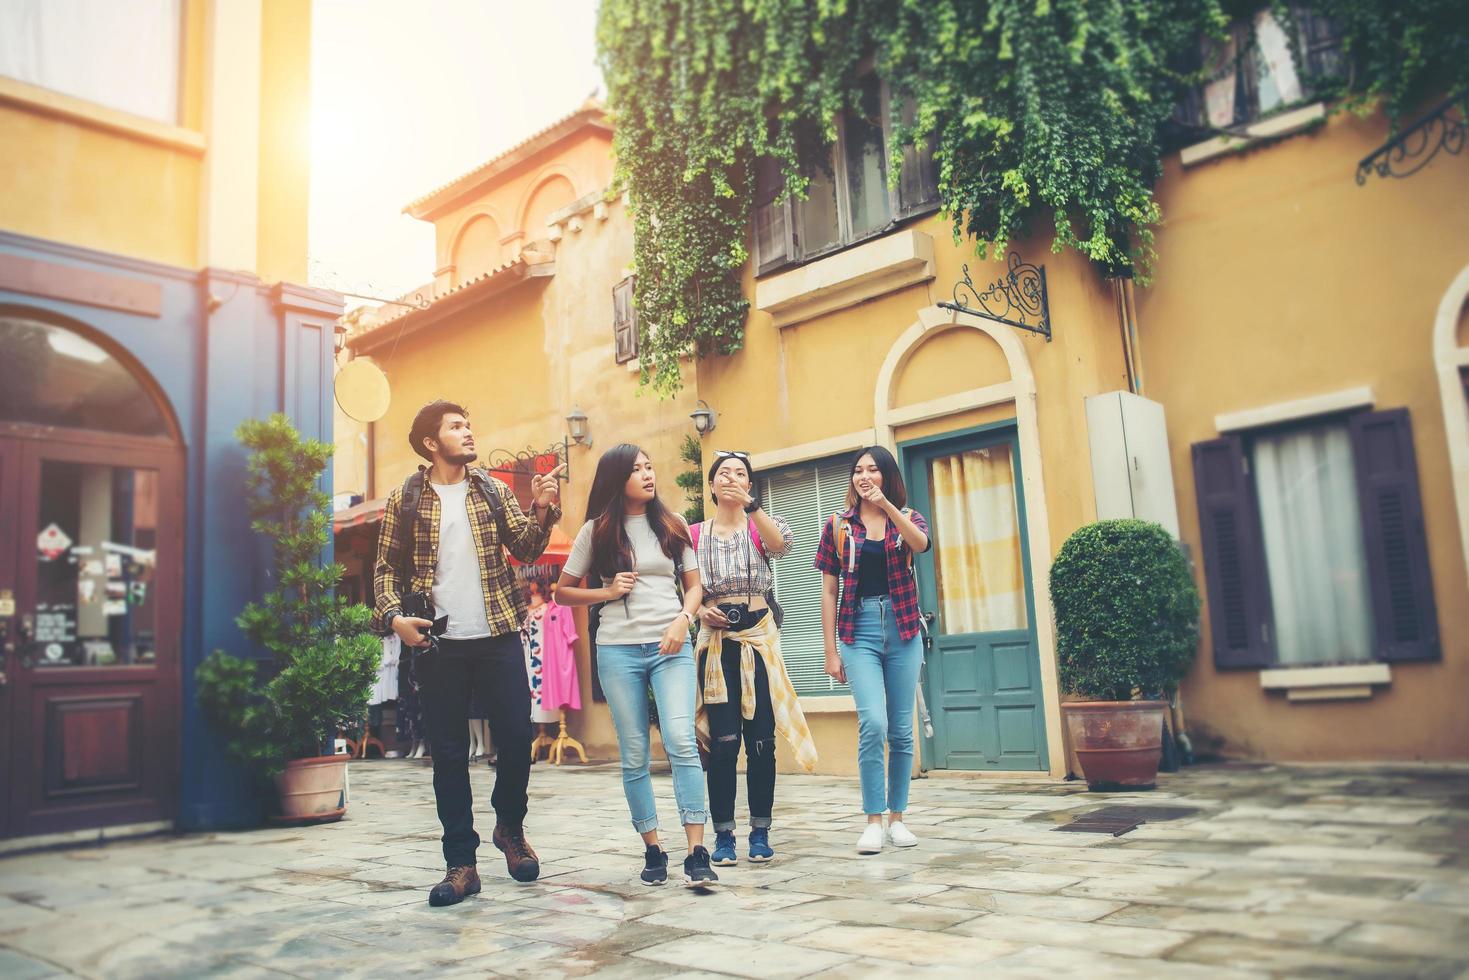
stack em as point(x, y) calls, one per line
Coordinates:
point(871, 840)
point(900, 835)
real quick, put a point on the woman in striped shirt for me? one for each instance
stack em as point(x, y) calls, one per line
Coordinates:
point(744, 689)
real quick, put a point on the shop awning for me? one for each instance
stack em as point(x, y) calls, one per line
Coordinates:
point(558, 549)
point(367, 512)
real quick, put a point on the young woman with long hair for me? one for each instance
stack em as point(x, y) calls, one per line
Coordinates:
point(872, 626)
point(744, 689)
point(633, 557)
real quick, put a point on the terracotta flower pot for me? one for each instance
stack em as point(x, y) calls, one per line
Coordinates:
point(1118, 743)
point(312, 790)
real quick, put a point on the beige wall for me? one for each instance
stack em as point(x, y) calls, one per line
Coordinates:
point(816, 380)
point(519, 362)
point(224, 186)
point(1279, 278)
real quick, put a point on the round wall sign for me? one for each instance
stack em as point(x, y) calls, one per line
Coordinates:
point(362, 391)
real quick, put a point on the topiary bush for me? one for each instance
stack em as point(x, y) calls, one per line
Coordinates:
point(325, 658)
point(1127, 610)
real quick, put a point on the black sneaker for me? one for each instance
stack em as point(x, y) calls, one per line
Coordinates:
point(655, 866)
point(696, 870)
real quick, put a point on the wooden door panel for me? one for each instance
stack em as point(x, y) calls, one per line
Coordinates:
point(94, 697)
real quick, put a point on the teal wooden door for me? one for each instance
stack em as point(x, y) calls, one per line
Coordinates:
point(982, 671)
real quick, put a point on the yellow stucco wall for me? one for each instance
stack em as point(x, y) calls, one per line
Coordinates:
point(1279, 278)
point(519, 362)
point(285, 139)
point(517, 202)
point(815, 380)
point(91, 176)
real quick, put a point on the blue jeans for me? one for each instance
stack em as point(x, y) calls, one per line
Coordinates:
point(882, 669)
point(626, 671)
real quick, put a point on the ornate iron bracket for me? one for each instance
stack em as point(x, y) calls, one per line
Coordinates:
point(506, 462)
point(415, 301)
point(1017, 298)
point(1416, 146)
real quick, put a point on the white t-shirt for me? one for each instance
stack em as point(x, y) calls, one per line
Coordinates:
point(458, 590)
point(653, 603)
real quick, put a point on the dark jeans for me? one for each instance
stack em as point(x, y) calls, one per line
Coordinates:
point(449, 677)
point(726, 726)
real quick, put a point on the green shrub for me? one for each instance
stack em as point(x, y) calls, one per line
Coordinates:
point(325, 657)
point(1127, 611)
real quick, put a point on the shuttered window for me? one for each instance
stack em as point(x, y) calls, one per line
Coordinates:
point(805, 495)
point(1314, 545)
point(625, 320)
point(848, 199)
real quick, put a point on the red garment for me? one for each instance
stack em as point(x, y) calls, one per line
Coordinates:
point(559, 686)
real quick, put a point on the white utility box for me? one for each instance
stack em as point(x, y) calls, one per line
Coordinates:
point(1131, 473)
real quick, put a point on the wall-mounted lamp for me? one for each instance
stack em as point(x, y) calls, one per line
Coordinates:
point(705, 418)
point(576, 424)
point(339, 337)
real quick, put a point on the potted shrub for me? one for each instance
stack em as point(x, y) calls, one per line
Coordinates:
point(1127, 614)
point(324, 656)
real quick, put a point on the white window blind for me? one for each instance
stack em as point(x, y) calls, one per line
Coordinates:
point(122, 55)
point(805, 495)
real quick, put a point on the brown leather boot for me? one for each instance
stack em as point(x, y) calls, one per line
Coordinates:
point(459, 882)
point(520, 857)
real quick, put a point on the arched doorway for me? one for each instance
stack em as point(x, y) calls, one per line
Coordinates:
point(91, 582)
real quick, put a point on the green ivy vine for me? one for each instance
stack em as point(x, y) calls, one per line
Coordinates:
point(1039, 111)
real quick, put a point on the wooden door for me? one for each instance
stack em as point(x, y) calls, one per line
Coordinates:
point(93, 692)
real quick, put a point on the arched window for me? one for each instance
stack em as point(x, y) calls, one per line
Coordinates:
point(51, 375)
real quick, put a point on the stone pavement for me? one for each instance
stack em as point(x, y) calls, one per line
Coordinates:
point(1294, 871)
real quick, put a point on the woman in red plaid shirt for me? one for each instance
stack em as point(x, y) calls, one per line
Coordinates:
point(872, 627)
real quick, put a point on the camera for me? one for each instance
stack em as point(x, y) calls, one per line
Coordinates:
point(420, 606)
point(735, 613)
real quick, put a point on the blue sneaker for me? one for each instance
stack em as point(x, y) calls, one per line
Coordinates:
point(760, 851)
point(724, 849)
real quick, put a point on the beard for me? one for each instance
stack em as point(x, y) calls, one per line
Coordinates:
point(462, 458)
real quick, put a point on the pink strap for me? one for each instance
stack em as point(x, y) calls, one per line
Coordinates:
point(698, 528)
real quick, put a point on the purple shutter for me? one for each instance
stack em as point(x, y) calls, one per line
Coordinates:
point(1392, 524)
point(1235, 577)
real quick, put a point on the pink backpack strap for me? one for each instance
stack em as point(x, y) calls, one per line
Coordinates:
point(755, 536)
point(694, 533)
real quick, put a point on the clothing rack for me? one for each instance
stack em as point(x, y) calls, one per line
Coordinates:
point(556, 747)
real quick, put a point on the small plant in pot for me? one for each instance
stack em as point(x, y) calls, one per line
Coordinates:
point(324, 657)
point(1127, 628)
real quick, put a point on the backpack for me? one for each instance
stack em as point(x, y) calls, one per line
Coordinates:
point(413, 493)
point(839, 538)
point(777, 613)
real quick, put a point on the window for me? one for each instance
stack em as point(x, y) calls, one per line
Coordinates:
point(1314, 548)
point(122, 55)
point(625, 320)
point(1253, 71)
point(53, 376)
point(848, 197)
point(805, 495)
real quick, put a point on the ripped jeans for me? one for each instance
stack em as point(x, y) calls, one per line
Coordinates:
point(726, 726)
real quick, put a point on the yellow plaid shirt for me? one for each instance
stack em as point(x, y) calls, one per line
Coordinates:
point(518, 533)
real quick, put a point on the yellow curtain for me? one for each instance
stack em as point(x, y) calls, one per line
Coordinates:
point(981, 582)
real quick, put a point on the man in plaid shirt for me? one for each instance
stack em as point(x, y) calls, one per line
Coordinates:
point(451, 546)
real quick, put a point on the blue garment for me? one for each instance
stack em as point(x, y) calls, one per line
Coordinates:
point(882, 669)
point(626, 671)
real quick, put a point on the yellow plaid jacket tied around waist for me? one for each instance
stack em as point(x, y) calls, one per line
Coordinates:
point(761, 640)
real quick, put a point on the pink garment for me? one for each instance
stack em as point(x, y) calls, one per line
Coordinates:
point(559, 687)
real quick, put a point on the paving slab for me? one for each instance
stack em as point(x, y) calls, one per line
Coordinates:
point(1283, 871)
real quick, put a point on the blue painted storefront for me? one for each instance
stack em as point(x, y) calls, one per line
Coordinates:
point(224, 347)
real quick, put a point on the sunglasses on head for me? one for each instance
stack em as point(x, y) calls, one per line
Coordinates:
point(730, 454)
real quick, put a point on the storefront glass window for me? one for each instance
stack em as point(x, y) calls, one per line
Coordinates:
point(50, 375)
point(96, 552)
